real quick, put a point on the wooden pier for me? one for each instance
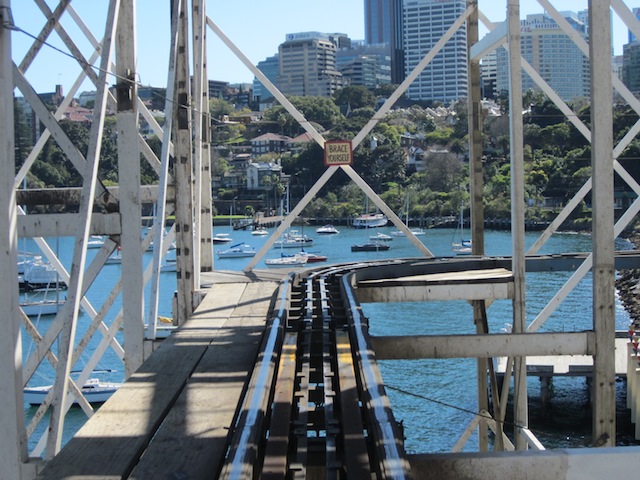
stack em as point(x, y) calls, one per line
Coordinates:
point(174, 414)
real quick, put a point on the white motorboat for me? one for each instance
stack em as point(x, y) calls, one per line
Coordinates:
point(260, 231)
point(293, 239)
point(296, 260)
point(238, 250)
point(93, 390)
point(39, 275)
point(370, 220)
point(380, 237)
point(327, 230)
point(416, 231)
point(220, 238)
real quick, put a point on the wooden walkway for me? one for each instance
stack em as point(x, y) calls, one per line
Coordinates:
point(174, 414)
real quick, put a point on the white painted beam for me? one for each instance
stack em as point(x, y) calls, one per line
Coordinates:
point(413, 347)
point(13, 445)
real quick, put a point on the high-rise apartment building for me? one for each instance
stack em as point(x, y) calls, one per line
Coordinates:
point(630, 72)
point(307, 64)
point(270, 68)
point(424, 23)
point(488, 75)
point(555, 57)
point(366, 65)
point(383, 26)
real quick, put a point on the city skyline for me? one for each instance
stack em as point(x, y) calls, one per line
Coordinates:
point(249, 34)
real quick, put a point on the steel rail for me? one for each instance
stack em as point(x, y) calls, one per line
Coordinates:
point(243, 452)
point(391, 461)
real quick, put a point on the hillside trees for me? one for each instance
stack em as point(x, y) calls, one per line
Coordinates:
point(355, 96)
point(315, 109)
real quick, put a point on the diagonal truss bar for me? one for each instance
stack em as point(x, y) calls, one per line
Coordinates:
point(53, 18)
point(284, 101)
point(286, 222)
point(66, 38)
point(163, 175)
point(96, 317)
point(67, 338)
point(580, 272)
point(320, 140)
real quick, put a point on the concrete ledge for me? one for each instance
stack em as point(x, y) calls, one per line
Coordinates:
point(563, 464)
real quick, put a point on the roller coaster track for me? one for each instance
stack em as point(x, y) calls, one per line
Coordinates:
point(315, 404)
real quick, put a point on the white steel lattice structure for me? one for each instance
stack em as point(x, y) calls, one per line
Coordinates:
point(184, 178)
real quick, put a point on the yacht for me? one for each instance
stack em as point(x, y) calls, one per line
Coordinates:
point(370, 220)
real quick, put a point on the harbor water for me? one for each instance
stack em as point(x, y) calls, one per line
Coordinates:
point(434, 399)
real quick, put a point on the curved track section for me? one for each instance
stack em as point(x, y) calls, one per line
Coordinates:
point(315, 404)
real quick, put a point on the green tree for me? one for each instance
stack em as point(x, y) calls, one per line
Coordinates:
point(356, 96)
point(219, 108)
point(315, 109)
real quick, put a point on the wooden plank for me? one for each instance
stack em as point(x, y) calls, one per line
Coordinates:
point(192, 440)
point(112, 441)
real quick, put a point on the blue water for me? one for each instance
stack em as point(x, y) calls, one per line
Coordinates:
point(433, 398)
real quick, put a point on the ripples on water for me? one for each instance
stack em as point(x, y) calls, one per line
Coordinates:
point(441, 393)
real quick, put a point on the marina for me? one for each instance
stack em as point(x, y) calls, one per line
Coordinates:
point(410, 319)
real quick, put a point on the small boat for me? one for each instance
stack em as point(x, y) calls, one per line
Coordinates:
point(260, 231)
point(172, 246)
point(327, 229)
point(296, 260)
point(464, 246)
point(293, 239)
point(370, 220)
point(169, 265)
point(416, 231)
point(93, 390)
point(36, 308)
point(380, 237)
point(370, 247)
point(26, 259)
point(238, 250)
point(39, 275)
point(312, 257)
point(220, 238)
point(95, 241)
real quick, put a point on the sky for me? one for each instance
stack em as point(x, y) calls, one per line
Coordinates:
point(257, 27)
